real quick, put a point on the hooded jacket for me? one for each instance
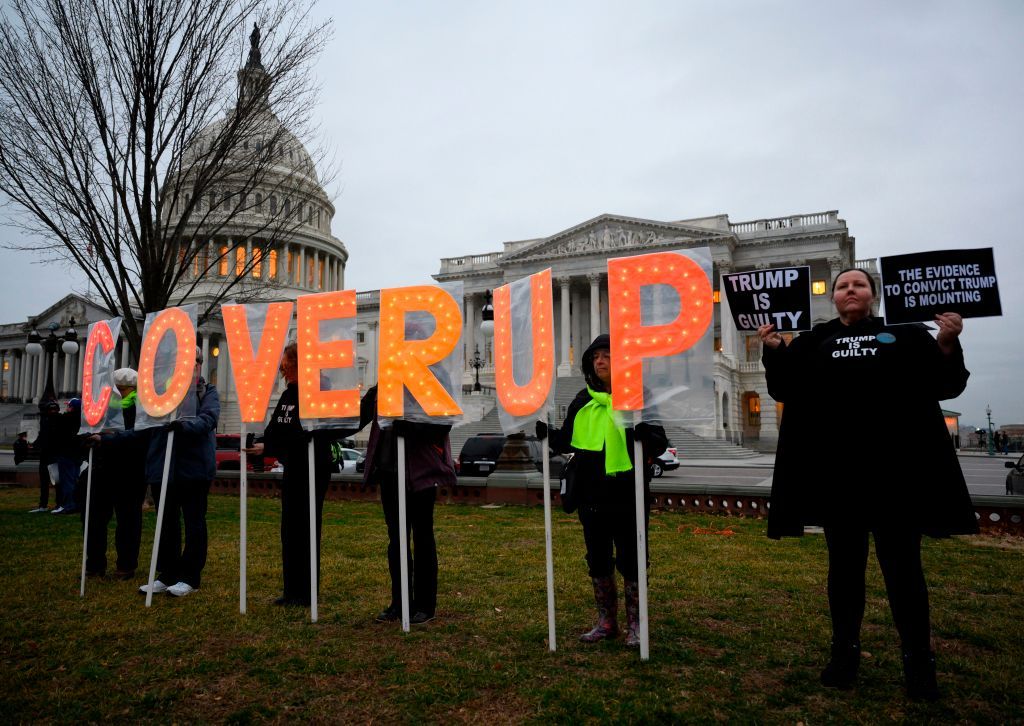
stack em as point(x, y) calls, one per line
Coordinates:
point(194, 457)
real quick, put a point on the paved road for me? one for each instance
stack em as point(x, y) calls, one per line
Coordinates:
point(984, 474)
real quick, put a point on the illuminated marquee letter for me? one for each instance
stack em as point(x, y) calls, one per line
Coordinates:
point(94, 409)
point(176, 322)
point(316, 355)
point(631, 340)
point(254, 374)
point(527, 399)
point(406, 362)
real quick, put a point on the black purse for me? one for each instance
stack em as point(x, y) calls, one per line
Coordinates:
point(568, 492)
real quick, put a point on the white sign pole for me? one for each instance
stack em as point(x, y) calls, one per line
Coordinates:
point(403, 535)
point(313, 614)
point(243, 488)
point(641, 541)
point(85, 539)
point(160, 516)
point(547, 544)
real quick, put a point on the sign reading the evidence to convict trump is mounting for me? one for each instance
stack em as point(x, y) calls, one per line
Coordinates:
point(919, 286)
point(781, 297)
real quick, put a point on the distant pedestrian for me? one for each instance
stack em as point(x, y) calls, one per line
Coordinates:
point(69, 456)
point(46, 445)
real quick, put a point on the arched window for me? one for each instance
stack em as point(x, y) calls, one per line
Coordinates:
point(257, 263)
point(259, 203)
point(272, 264)
point(273, 204)
point(222, 267)
point(239, 261)
point(287, 206)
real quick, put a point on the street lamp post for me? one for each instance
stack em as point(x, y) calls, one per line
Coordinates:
point(477, 364)
point(36, 345)
point(988, 413)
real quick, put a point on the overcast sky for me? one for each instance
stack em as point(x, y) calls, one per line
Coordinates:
point(460, 125)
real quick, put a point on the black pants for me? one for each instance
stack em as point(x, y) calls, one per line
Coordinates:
point(608, 516)
point(186, 500)
point(123, 499)
point(899, 556)
point(419, 519)
point(295, 534)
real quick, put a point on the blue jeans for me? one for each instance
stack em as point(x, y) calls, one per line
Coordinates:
point(69, 468)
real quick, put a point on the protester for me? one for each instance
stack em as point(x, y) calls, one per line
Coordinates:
point(46, 444)
point(286, 439)
point(428, 464)
point(833, 468)
point(118, 487)
point(193, 466)
point(605, 486)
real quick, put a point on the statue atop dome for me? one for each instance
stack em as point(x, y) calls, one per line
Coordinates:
point(255, 59)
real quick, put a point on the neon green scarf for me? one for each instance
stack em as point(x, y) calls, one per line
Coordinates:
point(598, 426)
point(129, 400)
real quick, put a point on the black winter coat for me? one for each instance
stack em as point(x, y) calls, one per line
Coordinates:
point(863, 440)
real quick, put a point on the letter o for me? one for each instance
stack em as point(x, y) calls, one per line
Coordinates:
point(177, 322)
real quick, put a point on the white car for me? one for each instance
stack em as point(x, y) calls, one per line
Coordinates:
point(666, 462)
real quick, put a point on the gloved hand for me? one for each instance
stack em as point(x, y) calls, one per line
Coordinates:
point(175, 426)
point(542, 430)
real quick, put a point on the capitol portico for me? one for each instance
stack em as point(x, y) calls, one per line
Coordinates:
point(578, 259)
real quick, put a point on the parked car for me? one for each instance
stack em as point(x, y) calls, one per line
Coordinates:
point(479, 455)
point(228, 457)
point(666, 462)
point(1015, 479)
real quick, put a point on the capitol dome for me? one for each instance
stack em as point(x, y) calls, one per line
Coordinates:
point(268, 218)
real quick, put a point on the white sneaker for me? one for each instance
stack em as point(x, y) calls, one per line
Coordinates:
point(38, 510)
point(180, 589)
point(157, 587)
point(58, 510)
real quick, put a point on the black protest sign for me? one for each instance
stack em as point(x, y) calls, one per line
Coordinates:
point(917, 287)
point(781, 297)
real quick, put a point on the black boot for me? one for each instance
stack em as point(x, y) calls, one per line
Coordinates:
point(919, 672)
point(841, 671)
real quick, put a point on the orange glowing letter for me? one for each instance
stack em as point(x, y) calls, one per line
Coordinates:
point(632, 341)
point(526, 399)
point(254, 374)
point(316, 355)
point(177, 322)
point(406, 362)
point(95, 409)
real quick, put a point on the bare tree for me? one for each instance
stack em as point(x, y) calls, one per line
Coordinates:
point(130, 141)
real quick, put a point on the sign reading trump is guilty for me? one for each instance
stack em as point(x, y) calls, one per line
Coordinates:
point(781, 297)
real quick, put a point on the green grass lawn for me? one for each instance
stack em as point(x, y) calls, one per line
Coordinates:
point(739, 629)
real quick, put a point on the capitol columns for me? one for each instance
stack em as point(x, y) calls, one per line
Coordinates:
point(835, 266)
point(564, 364)
point(728, 325)
point(595, 304)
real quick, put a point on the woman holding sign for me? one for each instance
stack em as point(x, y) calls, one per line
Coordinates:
point(835, 468)
point(602, 449)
